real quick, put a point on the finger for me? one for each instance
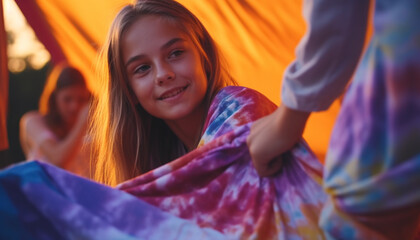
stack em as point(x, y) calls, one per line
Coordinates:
point(273, 167)
point(266, 169)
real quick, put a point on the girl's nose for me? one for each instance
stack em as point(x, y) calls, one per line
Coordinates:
point(164, 72)
point(75, 106)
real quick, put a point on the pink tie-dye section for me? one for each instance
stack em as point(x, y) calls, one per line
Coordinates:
point(217, 187)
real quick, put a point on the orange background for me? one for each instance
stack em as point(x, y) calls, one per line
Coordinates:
point(257, 38)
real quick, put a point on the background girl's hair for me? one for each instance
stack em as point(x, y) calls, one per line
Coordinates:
point(61, 77)
point(127, 140)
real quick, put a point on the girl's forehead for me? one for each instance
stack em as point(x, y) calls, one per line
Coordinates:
point(73, 89)
point(157, 24)
point(149, 33)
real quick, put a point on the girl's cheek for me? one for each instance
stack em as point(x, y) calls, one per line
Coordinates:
point(142, 89)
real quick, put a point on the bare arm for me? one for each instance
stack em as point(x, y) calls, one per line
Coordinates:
point(57, 152)
point(273, 135)
point(326, 59)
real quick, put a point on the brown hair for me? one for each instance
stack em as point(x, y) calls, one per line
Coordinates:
point(127, 140)
point(62, 76)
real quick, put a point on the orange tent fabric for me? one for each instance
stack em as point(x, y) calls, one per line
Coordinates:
point(257, 38)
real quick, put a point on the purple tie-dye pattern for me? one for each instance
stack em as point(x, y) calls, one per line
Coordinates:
point(51, 203)
point(212, 192)
point(216, 185)
point(373, 163)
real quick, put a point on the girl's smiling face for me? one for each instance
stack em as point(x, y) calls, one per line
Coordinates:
point(164, 69)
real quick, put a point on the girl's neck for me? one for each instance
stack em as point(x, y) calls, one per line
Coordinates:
point(189, 129)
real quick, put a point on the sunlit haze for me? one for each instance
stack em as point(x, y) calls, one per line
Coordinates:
point(22, 43)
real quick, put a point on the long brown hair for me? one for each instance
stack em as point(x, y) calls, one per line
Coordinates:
point(62, 76)
point(127, 140)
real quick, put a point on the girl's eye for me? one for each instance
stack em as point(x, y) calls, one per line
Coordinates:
point(176, 53)
point(141, 69)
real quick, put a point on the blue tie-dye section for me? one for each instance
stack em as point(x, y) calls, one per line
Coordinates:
point(225, 110)
point(24, 222)
point(235, 106)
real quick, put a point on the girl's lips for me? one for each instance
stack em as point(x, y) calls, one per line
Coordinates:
point(173, 92)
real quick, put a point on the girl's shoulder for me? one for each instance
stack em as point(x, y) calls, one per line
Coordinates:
point(33, 125)
point(241, 96)
point(236, 91)
point(234, 106)
point(32, 117)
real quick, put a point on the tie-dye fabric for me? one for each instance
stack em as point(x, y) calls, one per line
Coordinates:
point(212, 192)
point(372, 170)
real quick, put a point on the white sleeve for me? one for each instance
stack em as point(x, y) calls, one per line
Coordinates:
point(327, 55)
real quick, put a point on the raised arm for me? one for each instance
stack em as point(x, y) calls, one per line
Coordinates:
point(36, 134)
point(326, 59)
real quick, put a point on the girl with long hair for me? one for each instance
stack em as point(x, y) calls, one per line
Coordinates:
point(129, 137)
point(56, 132)
point(171, 134)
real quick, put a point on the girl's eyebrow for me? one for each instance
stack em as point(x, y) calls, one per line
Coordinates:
point(165, 46)
point(171, 42)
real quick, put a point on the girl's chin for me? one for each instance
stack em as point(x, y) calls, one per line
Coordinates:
point(171, 116)
point(179, 115)
point(70, 121)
